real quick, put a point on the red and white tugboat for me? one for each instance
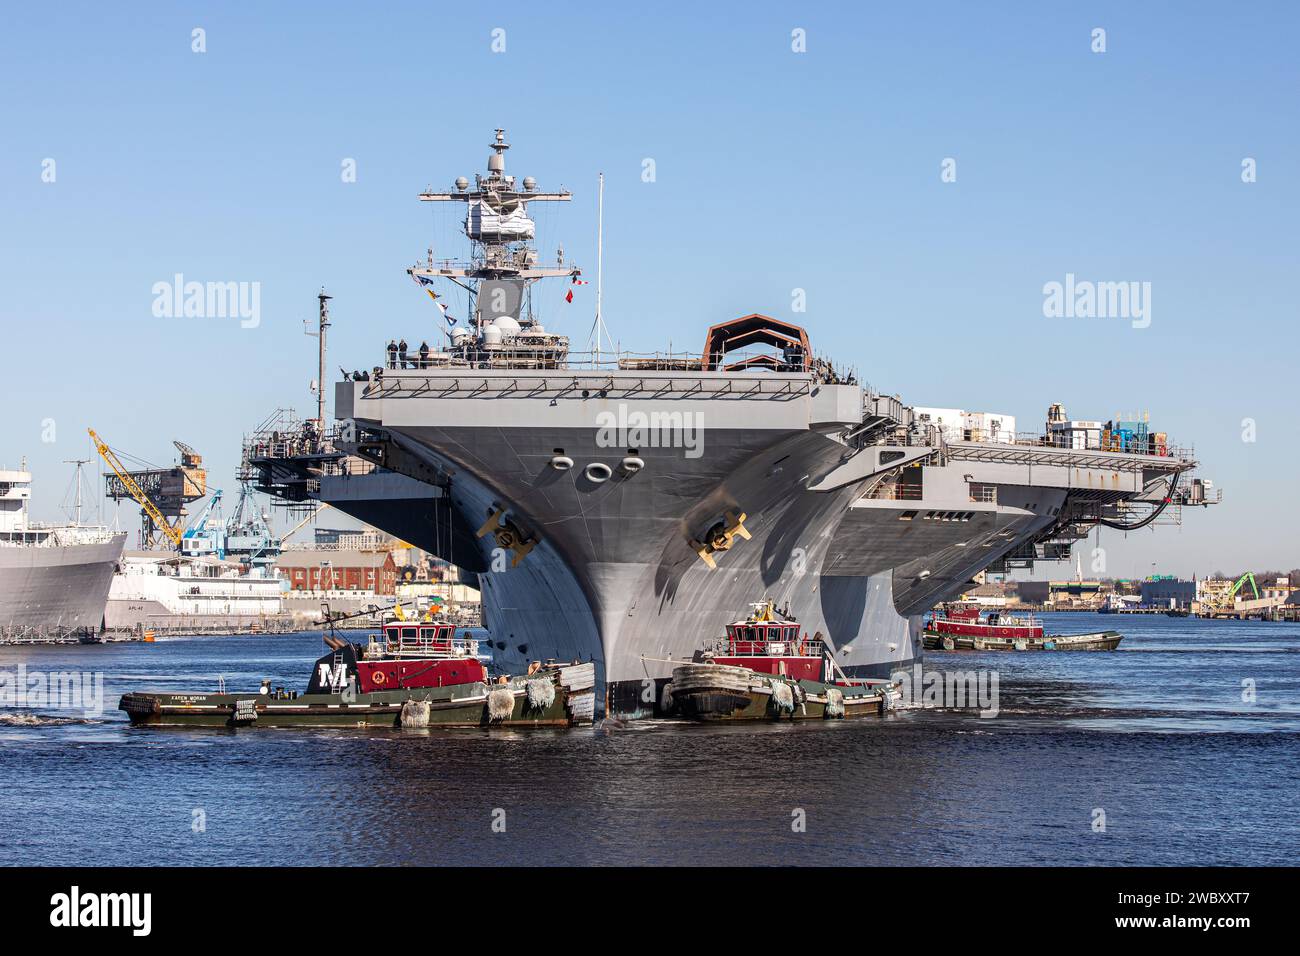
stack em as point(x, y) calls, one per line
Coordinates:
point(766, 668)
point(415, 673)
point(960, 626)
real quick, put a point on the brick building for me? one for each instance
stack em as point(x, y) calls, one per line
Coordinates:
point(339, 571)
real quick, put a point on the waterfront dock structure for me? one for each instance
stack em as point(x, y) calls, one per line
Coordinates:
point(1213, 597)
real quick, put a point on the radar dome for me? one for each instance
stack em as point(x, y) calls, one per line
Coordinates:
point(507, 325)
point(462, 183)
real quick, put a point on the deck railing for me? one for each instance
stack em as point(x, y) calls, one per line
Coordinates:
point(899, 492)
point(727, 647)
point(450, 647)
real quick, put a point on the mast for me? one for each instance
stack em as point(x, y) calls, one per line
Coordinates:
point(320, 382)
point(600, 255)
point(77, 506)
point(502, 266)
point(598, 329)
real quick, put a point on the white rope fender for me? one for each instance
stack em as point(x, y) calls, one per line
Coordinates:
point(541, 693)
point(415, 713)
point(500, 704)
point(782, 696)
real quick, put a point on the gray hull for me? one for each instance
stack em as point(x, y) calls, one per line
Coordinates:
point(613, 577)
point(56, 589)
point(611, 571)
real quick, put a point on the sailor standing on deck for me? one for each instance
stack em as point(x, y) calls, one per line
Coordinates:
point(424, 355)
point(392, 353)
point(401, 353)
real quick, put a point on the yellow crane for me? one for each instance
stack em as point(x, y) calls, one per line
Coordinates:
point(145, 502)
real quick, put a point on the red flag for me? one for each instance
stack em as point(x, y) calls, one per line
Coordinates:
point(568, 296)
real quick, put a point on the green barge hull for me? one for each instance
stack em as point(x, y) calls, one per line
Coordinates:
point(1098, 641)
point(557, 697)
point(718, 692)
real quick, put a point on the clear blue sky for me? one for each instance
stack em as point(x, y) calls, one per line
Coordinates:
point(775, 171)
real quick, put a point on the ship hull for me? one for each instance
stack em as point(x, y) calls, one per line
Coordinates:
point(56, 589)
point(714, 692)
point(462, 706)
point(1099, 641)
point(612, 576)
point(307, 711)
point(628, 547)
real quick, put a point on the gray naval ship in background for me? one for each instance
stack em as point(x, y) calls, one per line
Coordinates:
point(623, 508)
point(54, 578)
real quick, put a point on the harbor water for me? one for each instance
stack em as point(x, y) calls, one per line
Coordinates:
point(1181, 747)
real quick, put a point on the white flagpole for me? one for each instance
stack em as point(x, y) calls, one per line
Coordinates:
point(600, 248)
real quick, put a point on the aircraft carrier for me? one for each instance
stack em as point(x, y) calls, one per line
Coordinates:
point(54, 579)
point(623, 508)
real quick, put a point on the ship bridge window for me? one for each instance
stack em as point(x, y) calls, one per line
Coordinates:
point(410, 635)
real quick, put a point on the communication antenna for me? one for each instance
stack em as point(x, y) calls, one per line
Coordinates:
point(319, 384)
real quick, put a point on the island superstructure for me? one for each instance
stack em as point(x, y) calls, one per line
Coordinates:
point(618, 507)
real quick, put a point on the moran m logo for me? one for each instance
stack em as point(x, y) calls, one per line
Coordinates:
point(74, 908)
point(335, 675)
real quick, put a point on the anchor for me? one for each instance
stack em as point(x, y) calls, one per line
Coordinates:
point(720, 537)
point(508, 535)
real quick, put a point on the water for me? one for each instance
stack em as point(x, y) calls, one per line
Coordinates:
point(1155, 735)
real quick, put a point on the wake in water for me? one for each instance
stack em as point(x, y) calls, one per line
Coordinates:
point(27, 719)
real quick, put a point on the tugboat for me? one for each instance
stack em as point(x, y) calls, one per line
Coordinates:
point(413, 674)
point(765, 668)
point(959, 626)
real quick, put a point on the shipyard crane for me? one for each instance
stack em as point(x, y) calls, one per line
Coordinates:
point(321, 506)
point(251, 538)
point(168, 490)
point(1248, 576)
point(135, 491)
point(203, 537)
